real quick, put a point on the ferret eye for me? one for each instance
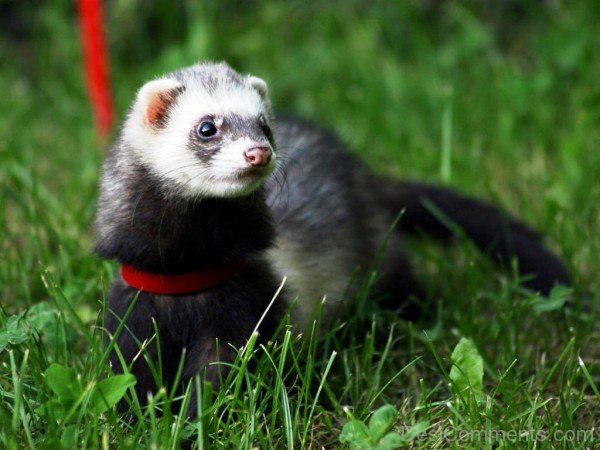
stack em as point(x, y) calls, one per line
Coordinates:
point(207, 129)
point(265, 128)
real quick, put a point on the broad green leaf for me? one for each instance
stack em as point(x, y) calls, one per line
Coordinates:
point(356, 434)
point(41, 315)
point(45, 319)
point(555, 301)
point(54, 408)
point(381, 421)
point(467, 369)
point(63, 381)
point(14, 332)
point(390, 441)
point(109, 391)
point(70, 436)
point(413, 432)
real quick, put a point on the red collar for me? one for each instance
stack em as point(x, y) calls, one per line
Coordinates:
point(178, 284)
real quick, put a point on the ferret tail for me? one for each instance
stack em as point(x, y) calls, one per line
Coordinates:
point(443, 213)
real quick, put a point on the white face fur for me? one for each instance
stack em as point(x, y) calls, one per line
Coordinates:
point(162, 130)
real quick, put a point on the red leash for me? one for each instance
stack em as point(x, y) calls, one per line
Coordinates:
point(95, 55)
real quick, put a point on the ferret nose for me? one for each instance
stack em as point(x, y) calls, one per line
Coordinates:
point(258, 156)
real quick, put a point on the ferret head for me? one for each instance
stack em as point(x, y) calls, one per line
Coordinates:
point(204, 131)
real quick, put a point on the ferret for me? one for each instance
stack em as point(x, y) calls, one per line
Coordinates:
point(208, 201)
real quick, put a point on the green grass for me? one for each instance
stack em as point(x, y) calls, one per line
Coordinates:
point(498, 104)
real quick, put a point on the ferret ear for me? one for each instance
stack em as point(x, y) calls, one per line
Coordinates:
point(261, 86)
point(155, 99)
